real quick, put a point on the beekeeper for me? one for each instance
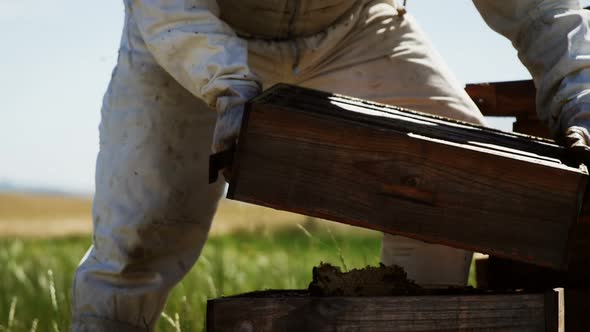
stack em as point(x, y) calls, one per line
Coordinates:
point(179, 59)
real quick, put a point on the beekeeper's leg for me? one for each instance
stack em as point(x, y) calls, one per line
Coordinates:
point(387, 58)
point(153, 206)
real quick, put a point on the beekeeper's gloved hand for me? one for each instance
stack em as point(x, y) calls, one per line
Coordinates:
point(230, 110)
point(551, 38)
point(576, 133)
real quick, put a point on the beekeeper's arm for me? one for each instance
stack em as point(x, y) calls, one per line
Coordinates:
point(203, 54)
point(553, 41)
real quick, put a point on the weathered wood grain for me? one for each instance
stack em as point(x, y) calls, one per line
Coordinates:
point(517, 98)
point(510, 99)
point(500, 273)
point(491, 312)
point(407, 173)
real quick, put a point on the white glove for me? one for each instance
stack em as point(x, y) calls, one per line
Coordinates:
point(576, 135)
point(230, 111)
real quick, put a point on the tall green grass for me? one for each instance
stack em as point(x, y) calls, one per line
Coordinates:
point(35, 275)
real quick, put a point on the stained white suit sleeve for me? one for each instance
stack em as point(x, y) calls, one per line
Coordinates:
point(553, 41)
point(200, 51)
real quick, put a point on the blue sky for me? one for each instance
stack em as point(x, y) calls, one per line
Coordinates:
point(57, 56)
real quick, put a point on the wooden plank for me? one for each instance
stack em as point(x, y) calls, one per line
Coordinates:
point(576, 310)
point(551, 306)
point(296, 312)
point(500, 273)
point(517, 98)
point(512, 98)
point(579, 247)
point(532, 127)
point(404, 120)
point(407, 173)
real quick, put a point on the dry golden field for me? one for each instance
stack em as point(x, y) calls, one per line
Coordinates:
point(37, 215)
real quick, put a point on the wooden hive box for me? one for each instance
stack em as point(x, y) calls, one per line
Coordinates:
point(408, 173)
point(286, 311)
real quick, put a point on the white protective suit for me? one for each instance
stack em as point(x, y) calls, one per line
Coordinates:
point(179, 58)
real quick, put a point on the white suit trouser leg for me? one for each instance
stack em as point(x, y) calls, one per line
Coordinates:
point(153, 205)
point(153, 208)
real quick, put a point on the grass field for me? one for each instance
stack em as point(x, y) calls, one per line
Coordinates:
point(36, 273)
point(43, 238)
